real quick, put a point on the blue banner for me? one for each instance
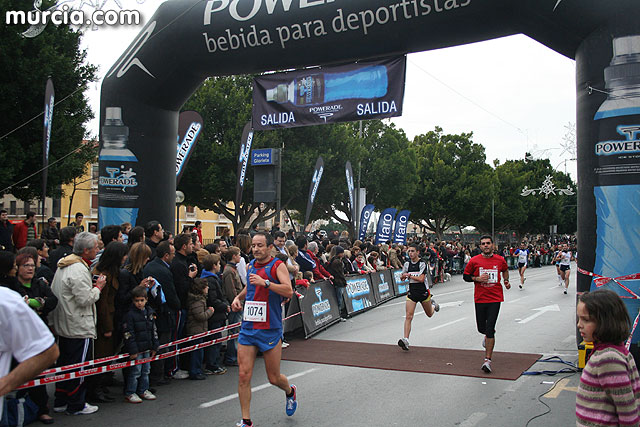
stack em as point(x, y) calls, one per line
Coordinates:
point(385, 225)
point(189, 128)
point(352, 203)
point(400, 229)
point(365, 216)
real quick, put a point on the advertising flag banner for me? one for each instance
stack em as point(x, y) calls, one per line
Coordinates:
point(352, 203)
point(385, 226)
point(49, 97)
point(189, 128)
point(400, 228)
point(361, 91)
point(313, 189)
point(243, 159)
point(365, 216)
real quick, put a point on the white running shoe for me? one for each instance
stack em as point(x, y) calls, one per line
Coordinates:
point(285, 344)
point(133, 398)
point(404, 344)
point(436, 306)
point(147, 395)
point(88, 409)
point(486, 366)
point(181, 375)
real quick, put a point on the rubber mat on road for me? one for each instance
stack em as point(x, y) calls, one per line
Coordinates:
point(446, 361)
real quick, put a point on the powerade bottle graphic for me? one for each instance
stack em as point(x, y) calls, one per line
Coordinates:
point(118, 183)
point(319, 88)
point(617, 189)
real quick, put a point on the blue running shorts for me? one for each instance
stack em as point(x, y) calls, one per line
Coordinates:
point(264, 339)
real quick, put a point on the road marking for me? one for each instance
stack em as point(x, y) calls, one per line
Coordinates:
point(451, 304)
point(254, 389)
point(562, 385)
point(447, 324)
point(514, 300)
point(473, 419)
point(540, 312)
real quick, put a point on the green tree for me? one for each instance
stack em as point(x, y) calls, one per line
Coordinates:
point(453, 180)
point(26, 64)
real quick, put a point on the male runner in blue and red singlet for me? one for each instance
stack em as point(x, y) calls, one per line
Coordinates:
point(268, 286)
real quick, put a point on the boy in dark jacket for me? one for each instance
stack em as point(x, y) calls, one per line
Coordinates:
point(140, 341)
point(217, 300)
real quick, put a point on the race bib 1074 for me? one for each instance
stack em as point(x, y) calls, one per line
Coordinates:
point(255, 311)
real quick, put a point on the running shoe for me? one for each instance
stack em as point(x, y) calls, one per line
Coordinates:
point(147, 395)
point(436, 306)
point(220, 371)
point(243, 424)
point(486, 366)
point(88, 409)
point(181, 375)
point(565, 291)
point(133, 398)
point(404, 344)
point(292, 402)
point(285, 344)
point(520, 285)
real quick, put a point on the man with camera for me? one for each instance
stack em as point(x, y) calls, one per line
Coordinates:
point(183, 274)
point(74, 319)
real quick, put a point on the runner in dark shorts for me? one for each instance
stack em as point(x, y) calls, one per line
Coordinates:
point(486, 271)
point(416, 271)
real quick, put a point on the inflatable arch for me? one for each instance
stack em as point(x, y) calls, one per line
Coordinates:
point(189, 40)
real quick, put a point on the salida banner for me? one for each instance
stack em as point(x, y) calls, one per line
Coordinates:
point(362, 91)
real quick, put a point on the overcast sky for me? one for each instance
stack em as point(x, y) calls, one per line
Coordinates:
point(513, 93)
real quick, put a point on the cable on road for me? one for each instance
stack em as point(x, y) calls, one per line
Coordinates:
point(554, 359)
point(542, 394)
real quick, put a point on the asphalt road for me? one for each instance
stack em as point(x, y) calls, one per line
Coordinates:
point(538, 319)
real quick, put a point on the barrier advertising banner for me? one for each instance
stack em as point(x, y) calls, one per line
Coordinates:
point(358, 294)
point(189, 128)
point(313, 96)
point(385, 225)
point(382, 284)
point(319, 307)
point(400, 229)
point(401, 286)
point(365, 216)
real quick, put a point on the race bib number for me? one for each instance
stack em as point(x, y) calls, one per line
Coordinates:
point(493, 274)
point(255, 311)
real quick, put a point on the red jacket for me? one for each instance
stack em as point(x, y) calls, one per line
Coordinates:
point(20, 234)
point(319, 273)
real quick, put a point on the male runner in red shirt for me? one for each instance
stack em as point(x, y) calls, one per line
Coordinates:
point(485, 271)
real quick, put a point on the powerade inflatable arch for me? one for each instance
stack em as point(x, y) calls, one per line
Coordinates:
point(189, 40)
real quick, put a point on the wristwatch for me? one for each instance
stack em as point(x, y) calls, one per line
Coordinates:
point(267, 284)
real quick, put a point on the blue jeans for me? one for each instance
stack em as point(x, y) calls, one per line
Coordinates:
point(341, 304)
point(232, 350)
point(195, 366)
point(137, 380)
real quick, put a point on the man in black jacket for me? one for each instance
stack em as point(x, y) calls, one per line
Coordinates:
point(159, 269)
point(154, 234)
point(67, 235)
point(183, 274)
point(6, 232)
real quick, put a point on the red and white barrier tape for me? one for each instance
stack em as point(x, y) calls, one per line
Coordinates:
point(116, 366)
point(44, 379)
point(126, 355)
point(599, 281)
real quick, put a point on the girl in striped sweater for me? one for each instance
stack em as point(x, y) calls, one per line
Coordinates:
point(609, 390)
